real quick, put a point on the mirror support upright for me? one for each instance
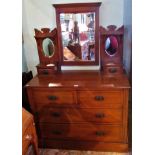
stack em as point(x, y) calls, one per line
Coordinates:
point(48, 64)
point(111, 64)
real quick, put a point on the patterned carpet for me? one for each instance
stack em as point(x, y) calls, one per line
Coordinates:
point(72, 152)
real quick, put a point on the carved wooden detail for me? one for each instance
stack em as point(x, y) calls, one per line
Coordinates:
point(112, 29)
point(40, 35)
point(45, 32)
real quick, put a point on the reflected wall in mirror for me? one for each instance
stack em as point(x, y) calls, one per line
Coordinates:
point(111, 45)
point(78, 36)
point(48, 47)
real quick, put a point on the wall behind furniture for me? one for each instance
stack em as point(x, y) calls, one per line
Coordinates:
point(127, 20)
point(41, 13)
point(24, 63)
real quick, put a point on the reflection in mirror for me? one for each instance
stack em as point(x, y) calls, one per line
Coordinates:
point(78, 36)
point(111, 45)
point(48, 47)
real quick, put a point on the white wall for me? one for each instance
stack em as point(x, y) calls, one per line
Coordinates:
point(127, 35)
point(41, 13)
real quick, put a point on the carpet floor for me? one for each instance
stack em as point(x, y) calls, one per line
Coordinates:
point(74, 152)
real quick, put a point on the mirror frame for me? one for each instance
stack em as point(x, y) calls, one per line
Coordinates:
point(111, 30)
point(82, 8)
point(42, 34)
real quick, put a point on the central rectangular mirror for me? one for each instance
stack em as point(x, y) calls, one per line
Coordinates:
point(78, 36)
point(78, 33)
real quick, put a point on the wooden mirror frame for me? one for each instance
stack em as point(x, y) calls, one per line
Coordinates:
point(117, 59)
point(42, 34)
point(78, 8)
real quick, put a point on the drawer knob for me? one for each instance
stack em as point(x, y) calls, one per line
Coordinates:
point(56, 114)
point(28, 137)
point(52, 97)
point(99, 133)
point(99, 115)
point(99, 98)
point(56, 132)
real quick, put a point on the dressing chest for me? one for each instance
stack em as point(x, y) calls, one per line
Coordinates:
point(80, 110)
point(85, 110)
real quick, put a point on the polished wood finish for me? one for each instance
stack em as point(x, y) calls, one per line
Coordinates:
point(42, 68)
point(42, 34)
point(82, 132)
point(80, 80)
point(78, 8)
point(53, 97)
point(79, 115)
point(28, 132)
point(81, 110)
point(115, 61)
point(48, 70)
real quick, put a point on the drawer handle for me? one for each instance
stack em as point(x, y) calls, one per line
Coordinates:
point(112, 70)
point(99, 115)
point(99, 133)
point(52, 97)
point(99, 98)
point(56, 132)
point(56, 114)
point(45, 72)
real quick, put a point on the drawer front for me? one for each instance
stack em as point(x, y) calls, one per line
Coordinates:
point(52, 97)
point(100, 99)
point(71, 115)
point(46, 71)
point(107, 133)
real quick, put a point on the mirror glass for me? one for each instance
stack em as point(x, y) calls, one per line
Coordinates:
point(78, 36)
point(111, 45)
point(48, 47)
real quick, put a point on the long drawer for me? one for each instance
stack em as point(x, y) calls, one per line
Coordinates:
point(92, 99)
point(71, 115)
point(92, 132)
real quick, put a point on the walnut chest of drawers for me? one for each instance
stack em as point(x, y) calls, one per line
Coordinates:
point(80, 110)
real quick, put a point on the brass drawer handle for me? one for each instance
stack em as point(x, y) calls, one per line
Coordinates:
point(45, 72)
point(52, 97)
point(99, 98)
point(99, 133)
point(99, 115)
point(56, 132)
point(56, 114)
point(112, 70)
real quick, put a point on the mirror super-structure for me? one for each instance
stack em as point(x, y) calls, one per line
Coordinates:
point(76, 40)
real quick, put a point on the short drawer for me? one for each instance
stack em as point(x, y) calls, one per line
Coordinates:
point(46, 71)
point(71, 115)
point(93, 132)
point(112, 99)
point(52, 97)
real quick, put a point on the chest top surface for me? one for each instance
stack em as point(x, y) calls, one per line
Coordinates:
point(79, 79)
